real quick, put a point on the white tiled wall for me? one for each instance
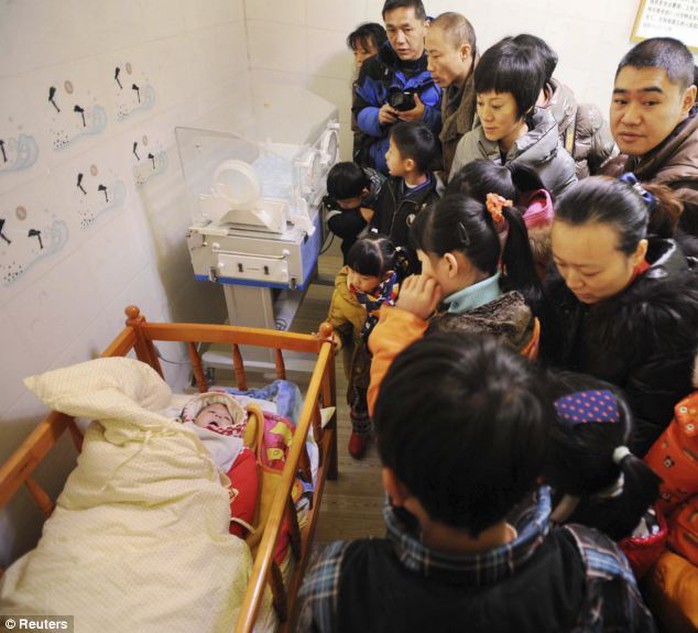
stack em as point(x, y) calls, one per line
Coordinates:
point(185, 56)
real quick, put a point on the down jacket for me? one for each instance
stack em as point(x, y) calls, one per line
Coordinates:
point(642, 340)
point(539, 149)
point(582, 129)
point(378, 75)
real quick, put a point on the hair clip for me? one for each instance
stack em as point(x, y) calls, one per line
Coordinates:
point(495, 204)
point(629, 178)
point(463, 234)
point(620, 453)
point(588, 406)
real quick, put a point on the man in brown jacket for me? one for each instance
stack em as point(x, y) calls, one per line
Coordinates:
point(654, 120)
point(452, 55)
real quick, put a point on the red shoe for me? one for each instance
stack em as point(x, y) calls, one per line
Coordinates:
point(358, 442)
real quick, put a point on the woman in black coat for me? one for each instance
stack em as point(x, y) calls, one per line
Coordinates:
point(624, 304)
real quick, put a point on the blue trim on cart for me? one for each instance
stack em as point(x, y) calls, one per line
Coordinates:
point(244, 282)
point(312, 244)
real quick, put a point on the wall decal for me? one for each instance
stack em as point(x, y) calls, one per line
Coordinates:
point(27, 247)
point(18, 153)
point(95, 195)
point(156, 162)
point(137, 98)
point(36, 233)
point(2, 235)
point(65, 127)
point(81, 110)
point(52, 98)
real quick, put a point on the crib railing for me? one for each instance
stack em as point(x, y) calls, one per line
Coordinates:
point(139, 336)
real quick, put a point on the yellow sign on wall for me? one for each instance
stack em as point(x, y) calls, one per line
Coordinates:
point(667, 18)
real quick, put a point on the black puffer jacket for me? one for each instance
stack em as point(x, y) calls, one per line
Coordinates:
point(642, 340)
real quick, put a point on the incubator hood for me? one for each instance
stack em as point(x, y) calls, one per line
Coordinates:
point(260, 162)
point(255, 170)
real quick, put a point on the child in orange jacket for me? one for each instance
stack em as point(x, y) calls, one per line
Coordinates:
point(672, 588)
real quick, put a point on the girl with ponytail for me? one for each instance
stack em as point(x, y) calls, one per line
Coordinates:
point(483, 285)
point(596, 479)
point(522, 185)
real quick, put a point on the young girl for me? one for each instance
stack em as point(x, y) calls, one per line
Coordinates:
point(512, 131)
point(522, 186)
point(458, 245)
point(624, 306)
point(597, 480)
point(369, 280)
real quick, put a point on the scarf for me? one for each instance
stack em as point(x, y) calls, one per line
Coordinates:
point(384, 293)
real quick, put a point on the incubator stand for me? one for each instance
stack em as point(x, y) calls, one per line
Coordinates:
point(255, 170)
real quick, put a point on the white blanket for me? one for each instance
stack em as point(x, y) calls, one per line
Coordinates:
point(139, 539)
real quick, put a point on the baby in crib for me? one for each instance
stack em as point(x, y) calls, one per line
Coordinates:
point(220, 421)
point(217, 417)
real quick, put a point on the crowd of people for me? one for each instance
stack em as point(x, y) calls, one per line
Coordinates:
point(518, 313)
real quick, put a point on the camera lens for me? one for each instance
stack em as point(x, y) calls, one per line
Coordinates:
point(402, 100)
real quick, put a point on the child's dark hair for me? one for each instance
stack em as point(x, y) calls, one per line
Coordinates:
point(375, 254)
point(669, 54)
point(346, 180)
point(508, 67)
point(368, 32)
point(481, 176)
point(581, 461)
point(415, 141)
point(460, 223)
point(613, 201)
point(539, 46)
point(463, 423)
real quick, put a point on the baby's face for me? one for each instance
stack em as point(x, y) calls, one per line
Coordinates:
point(216, 414)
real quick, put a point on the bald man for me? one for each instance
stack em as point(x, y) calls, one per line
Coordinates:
point(452, 55)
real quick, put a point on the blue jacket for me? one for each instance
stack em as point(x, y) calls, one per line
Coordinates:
point(378, 75)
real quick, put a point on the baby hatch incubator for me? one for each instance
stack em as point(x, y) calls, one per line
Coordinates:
point(255, 170)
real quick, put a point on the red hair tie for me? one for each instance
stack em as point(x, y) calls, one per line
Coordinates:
point(494, 204)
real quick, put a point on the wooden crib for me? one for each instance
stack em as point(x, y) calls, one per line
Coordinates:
point(138, 338)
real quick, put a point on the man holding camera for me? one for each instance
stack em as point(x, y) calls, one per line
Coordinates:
point(395, 85)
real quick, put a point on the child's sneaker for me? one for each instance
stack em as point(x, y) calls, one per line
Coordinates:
point(358, 442)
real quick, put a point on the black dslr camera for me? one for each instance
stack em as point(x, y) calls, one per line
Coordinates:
point(401, 100)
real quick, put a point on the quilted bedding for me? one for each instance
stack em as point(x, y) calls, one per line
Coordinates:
point(139, 538)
